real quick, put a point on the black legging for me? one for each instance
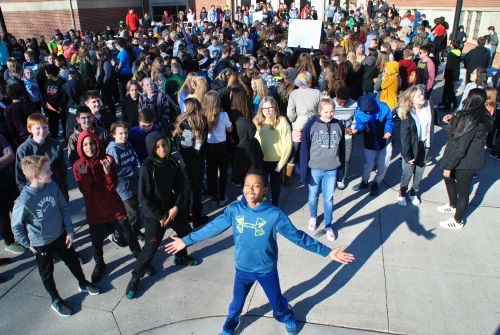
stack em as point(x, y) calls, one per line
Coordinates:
point(153, 236)
point(458, 188)
point(217, 162)
point(275, 181)
point(449, 95)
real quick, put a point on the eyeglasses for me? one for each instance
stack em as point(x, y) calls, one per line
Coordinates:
point(264, 109)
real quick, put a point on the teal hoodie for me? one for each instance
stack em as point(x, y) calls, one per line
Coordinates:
point(40, 216)
point(255, 232)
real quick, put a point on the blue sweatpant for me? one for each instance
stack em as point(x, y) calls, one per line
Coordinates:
point(270, 283)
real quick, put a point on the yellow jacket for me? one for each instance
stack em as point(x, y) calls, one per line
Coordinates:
point(390, 83)
point(276, 143)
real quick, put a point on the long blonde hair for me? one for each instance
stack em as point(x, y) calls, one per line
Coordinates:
point(186, 86)
point(194, 117)
point(259, 87)
point(200, 88)
point(211, 108)
point(406, 101)
point(260, 118)
point(156, 68)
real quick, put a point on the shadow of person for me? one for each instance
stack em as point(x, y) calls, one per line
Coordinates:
point(363, 247)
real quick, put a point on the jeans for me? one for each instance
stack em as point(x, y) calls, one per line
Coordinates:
point(326, 182)
point(458, 188)
point(270, 283)
point(275, 180)
point(379, 157)
point(98, 232)
point(409, 170)
point(45, 261)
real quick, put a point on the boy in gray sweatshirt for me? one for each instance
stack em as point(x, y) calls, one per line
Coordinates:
point(41, 222)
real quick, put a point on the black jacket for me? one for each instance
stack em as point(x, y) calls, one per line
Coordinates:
point(131, 110)
point(452, 69)
point(466, 152)
point(370, 72)
point(248, 153)
point(477, 57)
point(161, 183)
point(411, 147)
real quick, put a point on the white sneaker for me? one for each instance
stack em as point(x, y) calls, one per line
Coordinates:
point(401, 200)
point(415, 200)
point(340, 185)
point(446, 209)
point(451, 223)
point(330, 235)
point(312, 224)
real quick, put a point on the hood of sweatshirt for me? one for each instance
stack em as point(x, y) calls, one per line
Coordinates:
point(456, 52)
point(392, 67)
point(151, 139)
point(246, 129)
point(79, 147)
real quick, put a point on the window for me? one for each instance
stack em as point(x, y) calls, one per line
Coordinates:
point(467, 26)
point(477, 24)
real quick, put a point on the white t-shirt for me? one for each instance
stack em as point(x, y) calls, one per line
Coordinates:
point(218, 133)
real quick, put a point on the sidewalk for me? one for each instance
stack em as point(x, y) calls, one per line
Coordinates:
point(409, 277)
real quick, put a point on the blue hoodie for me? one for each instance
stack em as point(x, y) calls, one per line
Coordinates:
point(127, 168)
point(375, 125)
point(254, 232)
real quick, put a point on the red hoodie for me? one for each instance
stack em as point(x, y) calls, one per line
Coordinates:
point(406, 67)
point(102, 202)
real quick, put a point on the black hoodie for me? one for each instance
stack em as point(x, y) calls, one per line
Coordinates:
point(248, 153)
point(161, 183)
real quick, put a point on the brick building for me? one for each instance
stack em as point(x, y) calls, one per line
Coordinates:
point(36, 17)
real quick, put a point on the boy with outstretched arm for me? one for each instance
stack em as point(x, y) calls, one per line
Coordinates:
point(41, 222)
point(255, 223)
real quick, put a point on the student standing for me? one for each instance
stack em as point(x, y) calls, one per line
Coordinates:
point(275, 138)
point(417, 129)
point(164, 198)
point(464, 155)
point(322, 159)
point(217, 148)
point(256, 223)
point(95, 173)
point(41, 221)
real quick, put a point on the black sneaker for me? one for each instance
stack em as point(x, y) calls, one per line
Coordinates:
point(374, 190)
point(112, 238)
point(89, 288)
point(360, 186)
point(61, 308)
point(98, 272)
point(132, 287)
point(186, 261)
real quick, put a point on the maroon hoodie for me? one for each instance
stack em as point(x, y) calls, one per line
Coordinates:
point(102, 202)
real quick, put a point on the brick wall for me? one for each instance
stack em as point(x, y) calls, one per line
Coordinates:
point(98, 19)
point(29, 24)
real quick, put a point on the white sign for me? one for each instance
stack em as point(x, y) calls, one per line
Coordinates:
point(258, 16)
point(304, 33)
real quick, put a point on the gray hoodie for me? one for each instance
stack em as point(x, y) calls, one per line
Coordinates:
point(40, 216)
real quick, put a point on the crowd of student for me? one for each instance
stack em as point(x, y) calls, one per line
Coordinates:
point(199, 98)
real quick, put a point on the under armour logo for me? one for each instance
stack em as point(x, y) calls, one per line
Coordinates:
point(257, 226)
